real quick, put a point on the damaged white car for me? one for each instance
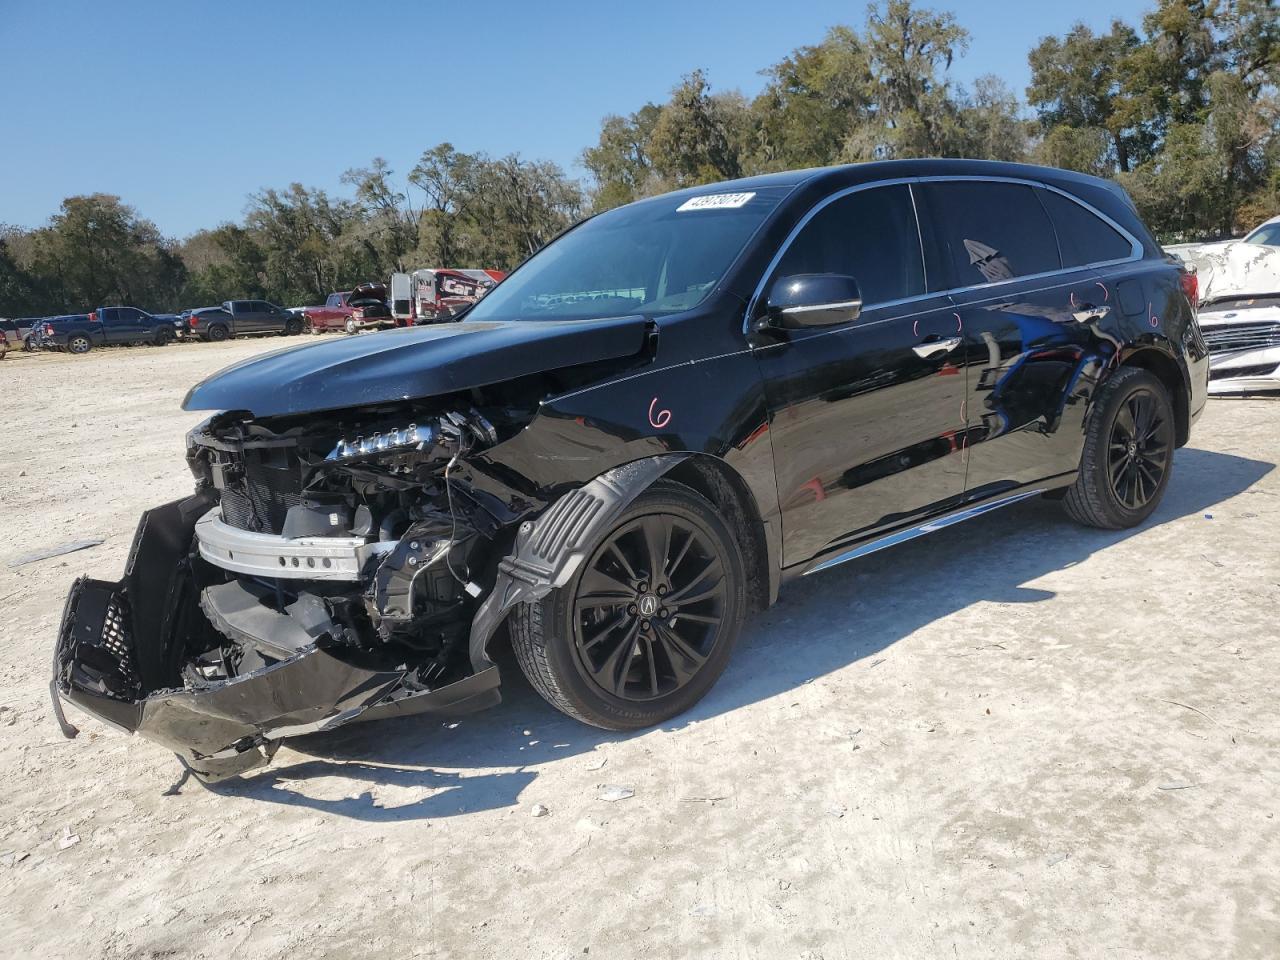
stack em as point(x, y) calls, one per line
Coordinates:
point(1239, 292)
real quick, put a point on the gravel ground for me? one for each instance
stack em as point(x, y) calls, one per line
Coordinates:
point(1015, 738)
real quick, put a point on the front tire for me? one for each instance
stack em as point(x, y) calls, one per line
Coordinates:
point(352, 329)
point(1128, 453)
point(79, 344)
point(163, 338)
point(647, 624)
point(293, 327)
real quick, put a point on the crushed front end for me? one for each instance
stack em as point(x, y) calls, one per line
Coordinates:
point(326, 569)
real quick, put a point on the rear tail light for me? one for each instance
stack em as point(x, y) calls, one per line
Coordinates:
point(93, 316)
point(1191, 285)
point(48, 329)
point(194, 321)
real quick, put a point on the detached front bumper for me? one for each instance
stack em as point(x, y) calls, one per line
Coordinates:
point(122, 646)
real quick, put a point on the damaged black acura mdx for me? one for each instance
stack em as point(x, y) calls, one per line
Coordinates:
point(630, 443)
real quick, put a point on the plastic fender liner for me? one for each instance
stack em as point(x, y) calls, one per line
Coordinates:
point(549, 550)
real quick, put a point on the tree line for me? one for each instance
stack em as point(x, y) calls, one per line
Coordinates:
point(1182, 109)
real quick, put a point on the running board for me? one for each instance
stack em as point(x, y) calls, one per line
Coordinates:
point(932, 526)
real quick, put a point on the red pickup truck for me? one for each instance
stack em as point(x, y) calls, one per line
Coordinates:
point(332, 316)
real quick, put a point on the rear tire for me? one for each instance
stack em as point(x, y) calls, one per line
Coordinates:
point(218, 332)
point(1128, 453)
point(647, 624)
point(79, 343)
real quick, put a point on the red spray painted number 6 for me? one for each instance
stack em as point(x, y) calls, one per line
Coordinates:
point(662, 418)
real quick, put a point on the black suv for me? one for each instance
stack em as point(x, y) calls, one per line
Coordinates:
point(632, 442)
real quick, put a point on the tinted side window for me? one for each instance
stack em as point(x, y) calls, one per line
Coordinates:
point(870, 235)
point(1082, 237)
point(988, 232)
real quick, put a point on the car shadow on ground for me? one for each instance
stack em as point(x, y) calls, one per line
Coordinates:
point(821, 624)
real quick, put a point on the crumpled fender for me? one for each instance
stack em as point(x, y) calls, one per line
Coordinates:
point(549, 550)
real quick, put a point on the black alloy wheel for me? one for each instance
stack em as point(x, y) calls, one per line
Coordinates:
point(292, 327)
point(647, 624)
point(1139, 450)
point(649, 607)
point(1128, 452)
point(218, 333)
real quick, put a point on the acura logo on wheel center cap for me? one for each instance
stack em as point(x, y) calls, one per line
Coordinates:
point(648, 605)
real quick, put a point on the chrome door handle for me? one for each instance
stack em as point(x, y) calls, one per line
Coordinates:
point(1091, 314)
point(936, 346)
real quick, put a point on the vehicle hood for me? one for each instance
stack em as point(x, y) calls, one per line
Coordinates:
point(1235, 268)
point(411, 363)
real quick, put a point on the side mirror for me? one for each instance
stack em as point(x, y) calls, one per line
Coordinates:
point(812, 300)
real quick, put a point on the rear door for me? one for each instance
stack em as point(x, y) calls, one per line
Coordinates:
point(1031, 360)
point(865, 416)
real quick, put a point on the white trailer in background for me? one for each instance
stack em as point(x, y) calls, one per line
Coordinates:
point(433, 295)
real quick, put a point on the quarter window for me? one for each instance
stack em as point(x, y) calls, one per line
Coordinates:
point(870, 235)
point(1082, 237)
point(988, 232)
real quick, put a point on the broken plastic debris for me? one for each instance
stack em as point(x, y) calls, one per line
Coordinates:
point(68, 839)
point(612, 792)
point(539, 810)
point(57, 551)
point(702, 910)
point(597, 764)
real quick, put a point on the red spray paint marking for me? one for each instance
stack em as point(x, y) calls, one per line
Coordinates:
point(959, 322)
point(1072, 299)
point(915, 328)
point(1155, 321)
point(1106, 294)
point(662, 419)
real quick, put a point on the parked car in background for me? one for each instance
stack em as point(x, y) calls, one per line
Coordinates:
point(18, 331)
point(332, 316)
point(178, 322)
point(632, 443)
point(242, 318)
point(1239, 293)
point(433, 295)
point(1266, 234)
point(369, 308)
point(103, 327)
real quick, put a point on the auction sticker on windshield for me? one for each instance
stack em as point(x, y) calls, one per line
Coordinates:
point(715, 201)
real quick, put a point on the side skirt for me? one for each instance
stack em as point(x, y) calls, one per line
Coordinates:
point(823, 562)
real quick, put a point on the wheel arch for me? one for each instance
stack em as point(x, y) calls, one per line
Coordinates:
point(548, 550)
point(724, 486)
point(1167, 370)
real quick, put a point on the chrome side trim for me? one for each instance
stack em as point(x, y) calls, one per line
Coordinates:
point(1135, 247)
point(837, 305)
point(932, 526)
point(266, 555)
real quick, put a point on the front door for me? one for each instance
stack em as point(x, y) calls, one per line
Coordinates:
point(865, 417)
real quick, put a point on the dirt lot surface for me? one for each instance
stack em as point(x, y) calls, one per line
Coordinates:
point(1016, 738)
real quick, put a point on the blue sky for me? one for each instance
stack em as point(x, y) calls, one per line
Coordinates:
point(185, 108)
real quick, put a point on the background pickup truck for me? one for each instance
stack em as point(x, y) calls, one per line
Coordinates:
point(242, 318)
point(106, 326)
point(332, 316)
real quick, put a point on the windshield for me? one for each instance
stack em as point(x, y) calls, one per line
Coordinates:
point(654, 257)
